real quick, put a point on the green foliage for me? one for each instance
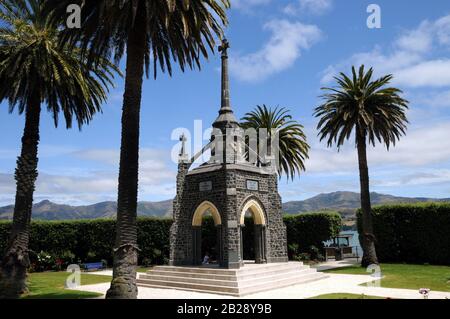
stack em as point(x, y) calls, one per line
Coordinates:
point(293, 147)
point(364, 105)
point(307, 232)
point(174, 31)
point(412, 233)
point(37, 66)
point(92, 240)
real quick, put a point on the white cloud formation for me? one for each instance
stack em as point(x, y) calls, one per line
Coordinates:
point(156, 179)
point(247, 4)
point(420, 147)
point(316, 7)
point(284, 47)
point(418, 178)
point(409, 57)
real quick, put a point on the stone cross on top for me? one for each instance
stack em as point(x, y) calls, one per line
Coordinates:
point(183, 156)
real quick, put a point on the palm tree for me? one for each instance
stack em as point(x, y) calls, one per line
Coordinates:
point(35, 70)
point(158, 31)
point(373, 112)
point(293, 147)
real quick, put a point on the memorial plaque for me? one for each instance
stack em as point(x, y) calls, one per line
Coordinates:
point(205, 186)
point(252, 185)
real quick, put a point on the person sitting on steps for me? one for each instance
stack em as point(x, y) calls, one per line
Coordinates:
point(206, 259)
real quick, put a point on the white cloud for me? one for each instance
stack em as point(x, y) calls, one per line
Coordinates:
point(156, 179)
point(418, 178)
point(443, 30)
point(435, 73)
point(316, 7)
point(408, 58)
point(284, 47)
point(420, 147)
point(434, 99)
point(247, 4)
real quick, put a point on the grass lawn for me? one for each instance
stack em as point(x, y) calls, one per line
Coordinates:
point(50, 285)
point(345, 296)
point(405, 276)
point(143, 269)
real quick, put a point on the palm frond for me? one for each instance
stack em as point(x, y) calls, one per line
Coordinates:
point(35, 62)
point(292, 143)
point(364, 104)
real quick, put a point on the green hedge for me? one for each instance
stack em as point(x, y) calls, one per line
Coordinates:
point(412, 233)
point(312, 229)
point(92, 240)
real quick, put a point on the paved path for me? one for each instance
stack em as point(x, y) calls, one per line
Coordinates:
point(335, 283)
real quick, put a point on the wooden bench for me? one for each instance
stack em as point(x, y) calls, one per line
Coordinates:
point(93, 266)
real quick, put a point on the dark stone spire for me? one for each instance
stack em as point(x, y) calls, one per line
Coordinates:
point(226, 116)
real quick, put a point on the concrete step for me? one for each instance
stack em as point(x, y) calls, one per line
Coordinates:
point(232, 281)
point(235, 291)
point(233, 275)
point(277, 284)
point(210, 269)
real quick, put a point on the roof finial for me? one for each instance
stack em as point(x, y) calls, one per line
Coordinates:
point(183, 156)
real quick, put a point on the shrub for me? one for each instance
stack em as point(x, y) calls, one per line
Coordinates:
point(312, 229)
point(412, 233)
point(92, 240)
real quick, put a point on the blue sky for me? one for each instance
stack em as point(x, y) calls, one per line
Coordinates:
point(282, 52)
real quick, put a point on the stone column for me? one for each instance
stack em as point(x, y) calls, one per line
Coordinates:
point(258, 244)
point(219, 245)
point(241, 243)
point(197, 245)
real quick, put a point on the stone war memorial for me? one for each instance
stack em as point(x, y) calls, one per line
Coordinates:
point(229, 189)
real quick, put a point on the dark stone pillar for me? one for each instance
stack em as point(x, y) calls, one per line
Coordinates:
point(219, 245)
point(258, 244)
point(241, 242)
point(263, 244)
point(197, 245)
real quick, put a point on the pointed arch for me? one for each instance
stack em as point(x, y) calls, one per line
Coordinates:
point(256, 210)
point(204, 207)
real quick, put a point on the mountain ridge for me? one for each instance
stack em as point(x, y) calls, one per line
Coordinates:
point(342, 201)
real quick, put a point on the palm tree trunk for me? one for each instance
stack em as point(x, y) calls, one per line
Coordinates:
point(123, 284)
point(15, 262)
point(367, 238)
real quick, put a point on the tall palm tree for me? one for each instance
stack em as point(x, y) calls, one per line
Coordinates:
point(35, 70)
point(158, 31)
point(373, 112)
point(293, 147)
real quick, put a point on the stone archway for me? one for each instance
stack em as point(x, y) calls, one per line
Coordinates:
point(259, 218)
point(197, 219)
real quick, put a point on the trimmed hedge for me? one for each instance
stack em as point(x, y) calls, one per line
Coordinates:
point(412, 233)
point(312, 229)
point(92, 240)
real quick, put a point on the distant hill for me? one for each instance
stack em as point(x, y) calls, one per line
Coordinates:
point(344, 202)
point(47, 210)
point(347, 202)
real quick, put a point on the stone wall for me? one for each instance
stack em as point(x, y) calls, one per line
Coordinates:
point(229, 194)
